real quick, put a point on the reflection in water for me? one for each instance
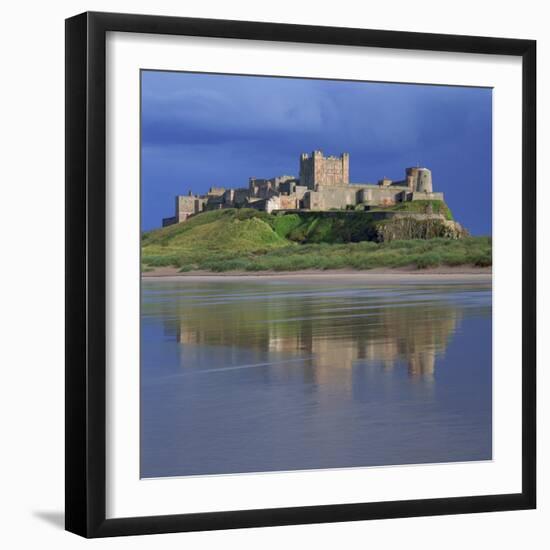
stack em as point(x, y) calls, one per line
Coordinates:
point(332, 336)
point(332, 354)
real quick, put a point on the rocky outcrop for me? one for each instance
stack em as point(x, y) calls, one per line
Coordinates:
point(403, 228)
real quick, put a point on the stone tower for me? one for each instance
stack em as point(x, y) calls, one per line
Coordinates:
point(318, 171)
point(419, 180)
point(424, 184)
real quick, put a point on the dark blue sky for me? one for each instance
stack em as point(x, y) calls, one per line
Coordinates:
point(202, 130)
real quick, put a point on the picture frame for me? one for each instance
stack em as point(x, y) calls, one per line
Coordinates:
point(87, 265)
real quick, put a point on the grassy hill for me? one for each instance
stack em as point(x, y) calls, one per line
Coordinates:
point(249, 240)
point(215, 231)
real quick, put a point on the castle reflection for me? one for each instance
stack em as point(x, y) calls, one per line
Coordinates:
point(331, 335)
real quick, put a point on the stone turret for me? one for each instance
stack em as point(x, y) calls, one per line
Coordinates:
point(419, 180)
point(424, 181)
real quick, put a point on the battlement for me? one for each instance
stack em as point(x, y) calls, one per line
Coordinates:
point(319, 154)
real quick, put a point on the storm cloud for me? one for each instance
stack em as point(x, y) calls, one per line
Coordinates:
point(200, 130)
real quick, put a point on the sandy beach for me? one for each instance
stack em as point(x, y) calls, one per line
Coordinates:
point(443, 273)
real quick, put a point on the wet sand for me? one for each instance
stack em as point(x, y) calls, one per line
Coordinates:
point(444, 273)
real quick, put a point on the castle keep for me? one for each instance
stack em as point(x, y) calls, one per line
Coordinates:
point(323, 184)
point(319, 171)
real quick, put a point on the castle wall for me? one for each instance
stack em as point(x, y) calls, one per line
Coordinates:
point(258, 204)
point(419, 196)
point(261, 188)
point(187, 205)
point(266, 188)
point(382, 196)
point(312, 201)
point(282, 202)
point(288, 202)
point(300, 191)
point(344, 196)
point(327, 198)
point(235, 197)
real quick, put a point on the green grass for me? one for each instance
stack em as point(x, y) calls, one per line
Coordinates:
point(324, 227)
point(438, 207)
point(285, 224)
point(220, 234)
point(248, 240)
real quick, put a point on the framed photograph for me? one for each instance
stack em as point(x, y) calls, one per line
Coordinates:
point(300, 274)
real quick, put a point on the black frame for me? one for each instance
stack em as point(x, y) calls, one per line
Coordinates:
point(85, 274)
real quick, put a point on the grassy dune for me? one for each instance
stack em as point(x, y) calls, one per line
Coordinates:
point(247, 240)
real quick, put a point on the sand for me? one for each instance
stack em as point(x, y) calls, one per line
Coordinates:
point(441, 273)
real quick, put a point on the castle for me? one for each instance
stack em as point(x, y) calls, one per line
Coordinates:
point(323, 185)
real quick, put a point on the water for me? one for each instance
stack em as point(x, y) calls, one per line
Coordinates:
point(256, 375)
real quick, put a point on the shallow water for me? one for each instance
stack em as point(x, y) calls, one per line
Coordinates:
point(260, 375)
